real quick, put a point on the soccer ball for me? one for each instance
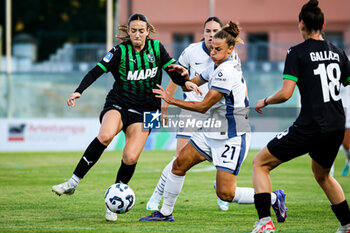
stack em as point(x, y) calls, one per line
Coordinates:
point(119, 198)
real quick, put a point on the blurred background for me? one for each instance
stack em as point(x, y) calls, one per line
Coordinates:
point(47, 47)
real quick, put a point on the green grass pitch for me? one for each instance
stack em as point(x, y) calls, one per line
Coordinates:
point(28, 205)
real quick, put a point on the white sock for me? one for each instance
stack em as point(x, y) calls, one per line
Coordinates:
point(75, 179)
point(273, 198)
point(246, 196)
point(159, 190)
point(347, 154)
point(265, 220)
point(172, 190)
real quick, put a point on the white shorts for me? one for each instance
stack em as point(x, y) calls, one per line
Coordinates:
point(186, 114)
point(226, 155)
point(345, 98)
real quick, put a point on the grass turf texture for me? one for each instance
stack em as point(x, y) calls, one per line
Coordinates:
point(28, 205)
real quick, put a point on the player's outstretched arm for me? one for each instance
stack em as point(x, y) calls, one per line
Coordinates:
point(279, 97)
point(209, 100)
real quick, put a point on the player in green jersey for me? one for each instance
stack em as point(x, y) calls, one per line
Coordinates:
point(136, 65)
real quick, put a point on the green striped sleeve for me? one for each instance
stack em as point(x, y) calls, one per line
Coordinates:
point(291, 77)
point(102, 66)
point(168, 63)
point(346, 81)
point(156, 49)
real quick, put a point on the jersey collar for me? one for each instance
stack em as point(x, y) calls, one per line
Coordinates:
point(228, 59)
point(205, 48)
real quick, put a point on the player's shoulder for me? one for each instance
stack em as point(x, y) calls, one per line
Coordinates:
point(229, 69)
point(231, 65)
point(193, 48)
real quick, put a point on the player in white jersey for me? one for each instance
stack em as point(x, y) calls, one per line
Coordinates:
point(345, 98)
point(195, 58)
point(227, 145)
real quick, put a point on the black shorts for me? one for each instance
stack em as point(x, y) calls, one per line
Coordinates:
point(294, 142)
point(129, 116)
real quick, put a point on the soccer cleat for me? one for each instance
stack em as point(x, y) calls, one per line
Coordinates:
point(344, 229)
point(345, 171)
point(264, 226)
point(67, 187)
point(280, 206)
point(110, 216)
point(223, 205)
point(158, 216)
point(153, 204)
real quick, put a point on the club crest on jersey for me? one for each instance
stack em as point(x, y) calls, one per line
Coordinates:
point(142, 74)
point(108, 57)
point(150, 57)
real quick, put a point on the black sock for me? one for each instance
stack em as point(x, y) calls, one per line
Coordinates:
point(125, 173)
point(342, 212)
point(262, 203)
point(90, 157)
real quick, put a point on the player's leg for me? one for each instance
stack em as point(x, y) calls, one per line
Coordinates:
point(334, 193)
point(135, 140)
point(263, 163)
point(228, 157)
point(153, 203)
point(110, 126)
point(346, 148)
point(188, 157)
point(322, 159)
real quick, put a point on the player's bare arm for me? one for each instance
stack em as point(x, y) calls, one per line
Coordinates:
point(209, 100)
point(279, 97)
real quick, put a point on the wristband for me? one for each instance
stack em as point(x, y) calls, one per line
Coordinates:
point(265, 102)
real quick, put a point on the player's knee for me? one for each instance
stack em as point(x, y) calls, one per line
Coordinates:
point(178, 167)
point(105, 138)
point(346, 145)
point(256, 163)
point(321, 177)
point(226, 195)
point(130, 158)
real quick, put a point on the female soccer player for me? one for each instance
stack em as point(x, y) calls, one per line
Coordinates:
point(195, 58)
point(318, 68)
point(136, 65)
point(226, 146)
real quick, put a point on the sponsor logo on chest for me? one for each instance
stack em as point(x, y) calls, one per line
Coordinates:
point(142, 74)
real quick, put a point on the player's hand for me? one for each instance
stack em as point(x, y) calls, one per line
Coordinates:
point(193, 87)
point(180, 69)
point(163, 94)
point(259, 105)
point(71, 99)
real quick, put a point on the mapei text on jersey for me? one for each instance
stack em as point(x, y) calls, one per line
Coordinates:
point(142, 74)
point(324, 56)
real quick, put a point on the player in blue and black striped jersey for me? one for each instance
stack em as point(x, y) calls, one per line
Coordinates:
point(318, 68)
point(136, 65)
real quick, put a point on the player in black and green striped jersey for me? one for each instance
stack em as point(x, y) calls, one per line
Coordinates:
point(136, 65)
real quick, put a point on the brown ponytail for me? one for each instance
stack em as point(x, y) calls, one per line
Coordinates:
point(230, 32)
